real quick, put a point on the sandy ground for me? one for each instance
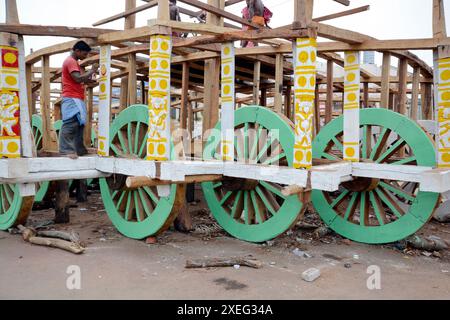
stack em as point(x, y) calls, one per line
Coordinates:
point(114, 267)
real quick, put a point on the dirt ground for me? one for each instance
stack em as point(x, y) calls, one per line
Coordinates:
point(114, 267)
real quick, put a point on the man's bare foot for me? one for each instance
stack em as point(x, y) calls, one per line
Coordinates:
point(72, 156)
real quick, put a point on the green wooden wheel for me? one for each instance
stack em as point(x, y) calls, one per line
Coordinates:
point(254, 211)
point(14, 209)
point(36, 127)
point(137, 213)
point(372, 210)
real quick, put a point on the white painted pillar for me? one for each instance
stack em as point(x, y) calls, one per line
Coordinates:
point(305, 56)
point(158, 143)
point(351, 105)
point(104, 109)
point(228, 101)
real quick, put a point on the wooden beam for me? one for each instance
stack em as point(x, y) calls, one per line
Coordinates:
point(49, 140)
point(256, 81)
point(342, 13)
point(415, 94)
point(278, 102)
point(184, 96)
point(330, 92)
point(439, 25)
point(385, 84)
point(402, 86)
point(57, 31)
point(127, 13)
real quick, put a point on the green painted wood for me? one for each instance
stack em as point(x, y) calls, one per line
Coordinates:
point(125, 212)
point(422, 205)
point(228, 215)
point(10, 205)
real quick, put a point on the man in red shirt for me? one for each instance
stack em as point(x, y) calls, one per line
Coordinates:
point(73, 111)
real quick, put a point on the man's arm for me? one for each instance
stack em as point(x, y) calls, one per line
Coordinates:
point(85, 77)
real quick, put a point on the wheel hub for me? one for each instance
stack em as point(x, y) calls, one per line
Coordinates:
point(361, 184)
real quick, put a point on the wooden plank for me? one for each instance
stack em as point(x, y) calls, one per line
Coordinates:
point(127, 13)
point(402, 86)
point(56, 31)
point(256, 81)
point(342, 13)
point(278, 102)
point(330, 92)
point(49, 138)
point(88, 126)
point(163, 10)
point(385, 76)
point(427, 98)
point(184, 96)
point(415, 94)
point(439, 25)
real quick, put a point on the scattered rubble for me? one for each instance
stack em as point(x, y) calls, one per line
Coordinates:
point(311, 274)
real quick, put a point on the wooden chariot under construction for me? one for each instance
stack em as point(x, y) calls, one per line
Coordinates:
point(374, 160)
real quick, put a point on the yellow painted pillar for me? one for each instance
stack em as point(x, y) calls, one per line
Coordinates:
point(305, 55)
point(104, 109)
point(443, 139)
point(228, 101)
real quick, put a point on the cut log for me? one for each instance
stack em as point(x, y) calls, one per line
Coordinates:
point(223, 262)
point(57, 243)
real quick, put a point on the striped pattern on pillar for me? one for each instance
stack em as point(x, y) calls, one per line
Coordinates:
point(351, 105)
point(228, 101)
point(104, 104)
point(158, 143)
point(305, 55)
point(443, 139)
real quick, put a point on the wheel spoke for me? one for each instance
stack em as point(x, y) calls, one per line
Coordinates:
point(226, 197)
point(329, 156)
point(259, 214)
point(7, 189)
point(338, 144)
point(130, 137)
point(275, 159)
point(217, 185)
point(116, 151)
point(398, 191)
point(398, 212)
point(364, 209)
point(151, 194)
point(128, 208)
point(139, 208)
point(238, 148)
point(378, 208)
point(351, 206)
point(270, 187)
point(391, 150)
point(136, 137)
point(148, 208)
point(256, 143)
point(340, 199)
point(246, 208)
point(237, 206)
point(246, 142)
point(265, 200)
point(381, 141)
point(120, 201)
point(123, 142)
point(405, 160)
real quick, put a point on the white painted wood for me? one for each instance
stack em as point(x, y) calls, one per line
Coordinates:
point(305, 55)
point(389, 171)
point(13, 168)
point(104, 108)
point(158, 143)
point(329, 177)
point(228, 101)
point(25, 122)
point(27, 189)
point(352, 85)
point(56, 175)
point(437, 180)
point(130, 167)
